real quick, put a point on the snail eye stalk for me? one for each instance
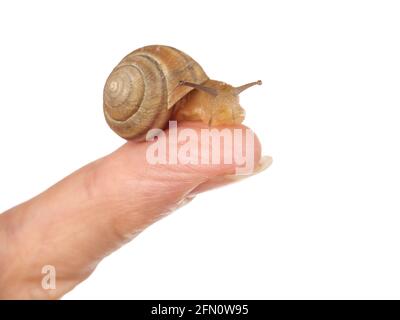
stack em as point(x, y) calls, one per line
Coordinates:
point(247, 85)
point(209, 90)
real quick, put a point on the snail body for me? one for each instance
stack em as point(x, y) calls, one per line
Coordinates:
point(154, 84)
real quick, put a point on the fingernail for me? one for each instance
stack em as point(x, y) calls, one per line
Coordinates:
point(263, 164)
point(220, 181)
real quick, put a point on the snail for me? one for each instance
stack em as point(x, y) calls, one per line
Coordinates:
point(156, 83)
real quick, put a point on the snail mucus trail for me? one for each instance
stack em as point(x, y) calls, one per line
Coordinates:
point(156, 83)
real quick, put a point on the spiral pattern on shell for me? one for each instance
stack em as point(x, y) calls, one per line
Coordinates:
point(141, 91)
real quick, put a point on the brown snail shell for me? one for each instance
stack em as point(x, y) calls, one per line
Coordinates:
point(142, 89)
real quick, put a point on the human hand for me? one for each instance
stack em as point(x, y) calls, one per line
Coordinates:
point(77, 222)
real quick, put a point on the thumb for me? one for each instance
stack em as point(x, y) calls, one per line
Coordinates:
point(98, 208)
point(156, 177)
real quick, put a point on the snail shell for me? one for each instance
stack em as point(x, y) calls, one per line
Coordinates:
point(141, 91)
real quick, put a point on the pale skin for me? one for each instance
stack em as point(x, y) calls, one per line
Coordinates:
point(94, 211)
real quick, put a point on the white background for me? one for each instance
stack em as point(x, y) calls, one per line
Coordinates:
point(322, 222)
